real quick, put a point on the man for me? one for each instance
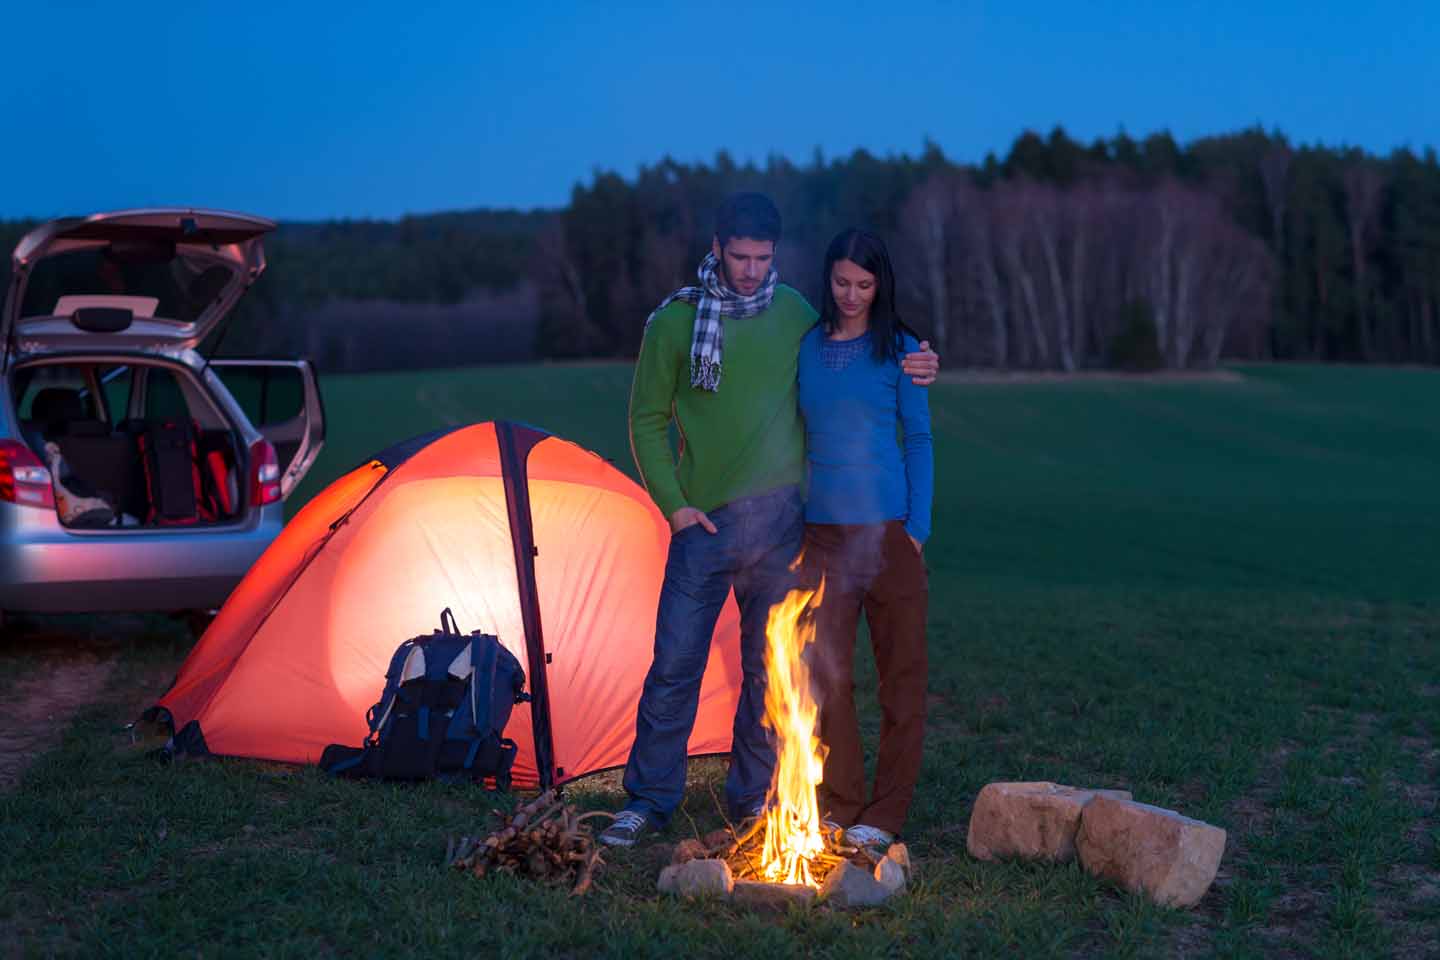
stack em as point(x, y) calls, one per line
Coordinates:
point(720, 360)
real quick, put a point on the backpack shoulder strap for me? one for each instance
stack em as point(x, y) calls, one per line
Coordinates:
point(397, 662)
point(403, 663)
point(484, 673)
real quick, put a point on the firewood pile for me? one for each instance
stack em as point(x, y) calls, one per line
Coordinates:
point(546, 839)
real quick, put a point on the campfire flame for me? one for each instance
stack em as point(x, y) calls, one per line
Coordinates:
point(792, 828)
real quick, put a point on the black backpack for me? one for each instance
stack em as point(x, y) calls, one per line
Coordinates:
point(176, 489)
point(442, 714)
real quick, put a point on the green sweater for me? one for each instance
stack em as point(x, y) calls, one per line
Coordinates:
point(747, 437)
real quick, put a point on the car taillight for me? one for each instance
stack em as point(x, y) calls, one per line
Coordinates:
point(23, 478)
point(265, 474)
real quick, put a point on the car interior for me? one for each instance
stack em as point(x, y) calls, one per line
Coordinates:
point(130, 445)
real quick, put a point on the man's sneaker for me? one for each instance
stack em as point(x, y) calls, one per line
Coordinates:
point(626, 829)
point(862, 836)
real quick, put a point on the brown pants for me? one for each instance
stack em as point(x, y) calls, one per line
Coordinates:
point(873, 567)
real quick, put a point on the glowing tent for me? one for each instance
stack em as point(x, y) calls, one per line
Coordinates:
point(521, 534)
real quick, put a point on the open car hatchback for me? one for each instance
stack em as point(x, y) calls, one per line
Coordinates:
point(137, 474)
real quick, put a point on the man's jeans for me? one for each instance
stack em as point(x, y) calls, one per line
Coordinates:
point(757, 539)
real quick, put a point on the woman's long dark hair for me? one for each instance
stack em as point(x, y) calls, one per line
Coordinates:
point(866, 251)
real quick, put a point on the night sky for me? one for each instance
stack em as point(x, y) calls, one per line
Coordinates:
point(370, 110)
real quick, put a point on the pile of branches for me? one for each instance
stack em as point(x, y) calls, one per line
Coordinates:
point(545, 840)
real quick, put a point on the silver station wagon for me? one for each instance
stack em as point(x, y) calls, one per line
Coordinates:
point(137, 474)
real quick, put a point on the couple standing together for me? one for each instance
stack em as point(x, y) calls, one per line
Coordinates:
point(764, 395)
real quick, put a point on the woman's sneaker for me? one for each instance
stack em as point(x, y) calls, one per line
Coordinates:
point(626, 829)
point(862, 836)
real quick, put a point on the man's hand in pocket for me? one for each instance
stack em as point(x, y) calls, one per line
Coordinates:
point(688, 517)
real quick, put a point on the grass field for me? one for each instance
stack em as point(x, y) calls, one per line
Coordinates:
point(1223, 596)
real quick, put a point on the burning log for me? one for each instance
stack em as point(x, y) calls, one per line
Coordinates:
point(746, 855)
point(545, 839)
point(843, 876)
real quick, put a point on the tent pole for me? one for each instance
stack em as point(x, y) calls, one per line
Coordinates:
point(515, 445)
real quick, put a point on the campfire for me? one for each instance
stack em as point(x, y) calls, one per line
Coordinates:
point(747, 856)
point(787, 855)
point(792, 847)
point(781, 858)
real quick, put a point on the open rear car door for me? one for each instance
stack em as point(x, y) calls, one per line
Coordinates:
point(282, 400)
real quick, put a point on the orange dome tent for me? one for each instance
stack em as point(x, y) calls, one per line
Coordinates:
point(521, 534)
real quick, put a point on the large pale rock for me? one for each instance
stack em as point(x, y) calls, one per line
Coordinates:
point(772, 896)
point(1031, 821)
point(697, 878)
point(1150, 850)
point(849, 886)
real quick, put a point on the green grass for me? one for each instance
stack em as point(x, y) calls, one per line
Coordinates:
point(1221, 596)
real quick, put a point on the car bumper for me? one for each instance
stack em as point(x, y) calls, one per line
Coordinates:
point(46, 569)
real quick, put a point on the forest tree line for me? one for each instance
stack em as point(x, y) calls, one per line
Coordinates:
point(1062, 255)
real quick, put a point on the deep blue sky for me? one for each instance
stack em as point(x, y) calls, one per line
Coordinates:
point(316, 110)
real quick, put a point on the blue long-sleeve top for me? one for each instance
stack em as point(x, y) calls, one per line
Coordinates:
point(859, 471)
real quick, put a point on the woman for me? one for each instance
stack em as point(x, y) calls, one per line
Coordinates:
point(867, 519)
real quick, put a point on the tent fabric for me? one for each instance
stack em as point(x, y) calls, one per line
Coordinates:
point(299, 651)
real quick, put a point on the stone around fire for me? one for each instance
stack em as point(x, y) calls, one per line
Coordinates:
point(772, 896)
point(1150, 850)
point(849, 886)
point(890, 875)
point(1030, 821)
point(687, 850)
point(697, 878)
point(901, 855)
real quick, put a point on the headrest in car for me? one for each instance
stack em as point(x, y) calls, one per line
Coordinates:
point(56, 403)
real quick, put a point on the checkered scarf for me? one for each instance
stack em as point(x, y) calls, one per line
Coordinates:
point(714, 302)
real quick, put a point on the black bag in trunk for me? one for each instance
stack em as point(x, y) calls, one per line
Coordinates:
point(172, 473)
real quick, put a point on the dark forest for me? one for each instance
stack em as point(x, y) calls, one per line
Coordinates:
point(1121, 253)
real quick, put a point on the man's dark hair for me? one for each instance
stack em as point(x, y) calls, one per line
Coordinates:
point(751, 215)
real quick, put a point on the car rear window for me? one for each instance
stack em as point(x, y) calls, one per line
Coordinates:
point(163, 396)
point(267, 394)
point(184, 286)
point(115, 383)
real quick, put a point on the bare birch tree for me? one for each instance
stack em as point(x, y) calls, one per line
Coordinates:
point(980, 229)
point(1363, 184)
point(1014, 220)
point(1275, 177)
point(928, 222)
